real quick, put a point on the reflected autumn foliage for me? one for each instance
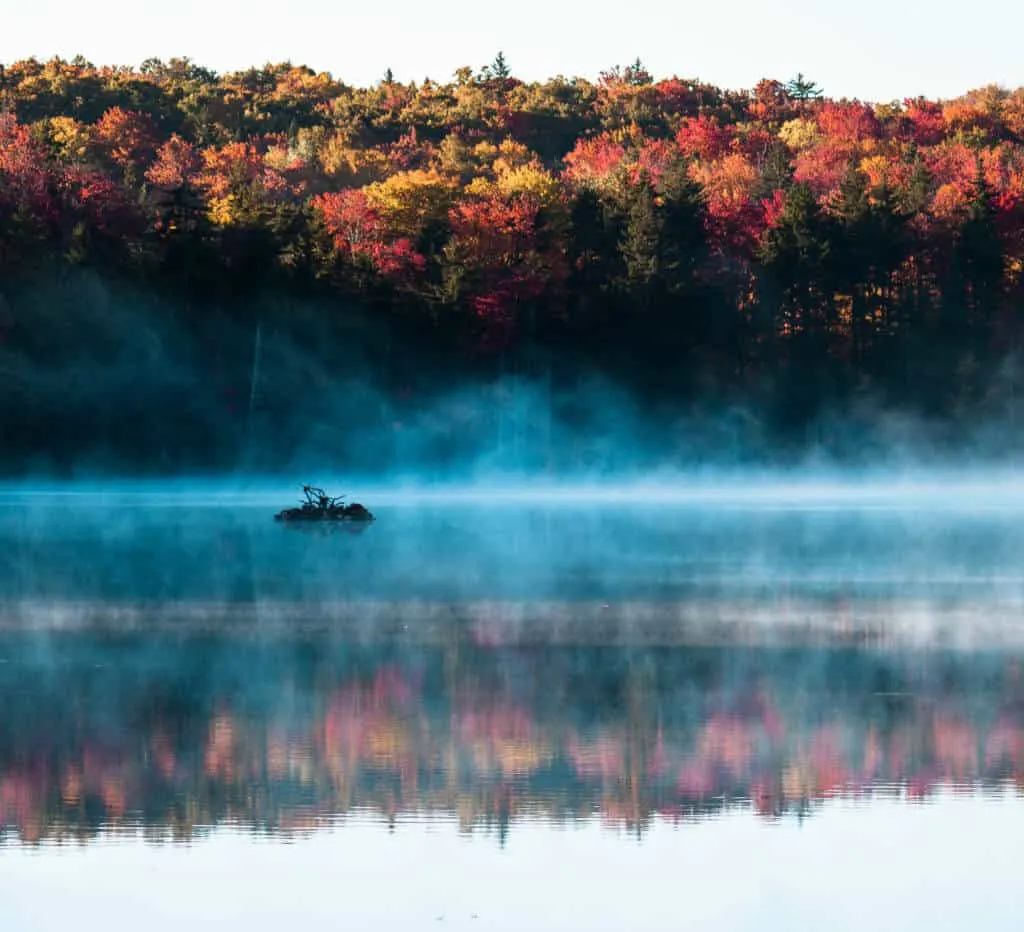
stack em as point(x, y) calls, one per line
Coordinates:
point(175, 738)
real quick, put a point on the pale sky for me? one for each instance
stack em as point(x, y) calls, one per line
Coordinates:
point(872, 49)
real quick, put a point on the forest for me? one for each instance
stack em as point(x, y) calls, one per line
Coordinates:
point(696, 246)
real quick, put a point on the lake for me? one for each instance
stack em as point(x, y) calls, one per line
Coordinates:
point(510, 715)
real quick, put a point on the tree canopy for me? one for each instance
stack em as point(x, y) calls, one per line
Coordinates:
point(688, 225)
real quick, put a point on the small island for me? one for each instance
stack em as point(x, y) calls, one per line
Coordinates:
point(319, 506)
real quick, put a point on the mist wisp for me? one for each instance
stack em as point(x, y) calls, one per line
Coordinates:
point(765, 559)
point(102, 381)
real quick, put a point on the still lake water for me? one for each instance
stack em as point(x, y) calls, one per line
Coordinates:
point(600, 716)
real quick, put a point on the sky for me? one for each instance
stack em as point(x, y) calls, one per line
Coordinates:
point(877, 50)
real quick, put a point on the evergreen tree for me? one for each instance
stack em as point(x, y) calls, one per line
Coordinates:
point(593, 249)
point(640, 246)
point(682, 227)
point(853, 204)
point(978, 254)
point(799, 88)
point(499, 69)
point(796, 251)
point(636, 74)
point(798, 245)
point(870, 230)
point(777, 174)
point(917, 193)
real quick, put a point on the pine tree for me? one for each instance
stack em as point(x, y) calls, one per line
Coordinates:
point(917, 193)
point(798, 248)
point(777, 174)
point(636, 74)
point(593, 249)
point(682, 232)
point(499, 68)
point(640, 245)
point(979, 251)
point(853, 205)
point(799, 88)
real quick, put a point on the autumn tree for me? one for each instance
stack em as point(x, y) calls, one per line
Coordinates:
point(771, 102)
point(413, 205)
point(127, 138)
point(493, 258)
point(29, 207)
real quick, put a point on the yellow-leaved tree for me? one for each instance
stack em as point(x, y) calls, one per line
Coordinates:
point(799, 134)
point(532, 180)
point(350, 165)
point(408, 201)
point(69, 137)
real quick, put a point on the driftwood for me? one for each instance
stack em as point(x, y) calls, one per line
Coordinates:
point(317, 505)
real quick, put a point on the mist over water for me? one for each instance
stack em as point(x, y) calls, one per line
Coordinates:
point(657, 543)
point(496, 661)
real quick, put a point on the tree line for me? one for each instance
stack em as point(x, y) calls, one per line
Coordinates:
point(674, 234)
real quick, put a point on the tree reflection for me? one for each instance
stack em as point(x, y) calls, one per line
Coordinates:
point(178, 735)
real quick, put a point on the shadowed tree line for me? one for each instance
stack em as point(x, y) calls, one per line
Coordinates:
point(771, 246)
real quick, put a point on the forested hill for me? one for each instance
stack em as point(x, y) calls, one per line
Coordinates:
point(680, 238)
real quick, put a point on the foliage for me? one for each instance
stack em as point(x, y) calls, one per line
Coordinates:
point(776, 209)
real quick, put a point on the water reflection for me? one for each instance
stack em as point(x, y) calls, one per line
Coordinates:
point(177, 669)
point(176, 733)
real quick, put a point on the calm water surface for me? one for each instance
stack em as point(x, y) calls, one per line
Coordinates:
point(597, 717)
